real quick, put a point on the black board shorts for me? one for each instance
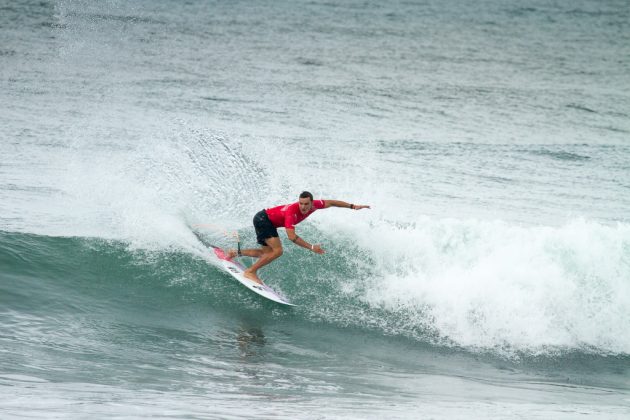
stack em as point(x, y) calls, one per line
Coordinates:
point(264, 228)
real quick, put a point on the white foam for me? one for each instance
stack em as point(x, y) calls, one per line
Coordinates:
point(498, 285)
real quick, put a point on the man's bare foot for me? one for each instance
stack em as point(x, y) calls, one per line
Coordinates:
point(231, 253)
point(252, 276)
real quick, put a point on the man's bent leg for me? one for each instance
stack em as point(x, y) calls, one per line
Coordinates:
point(253, 252)
point(269, 253)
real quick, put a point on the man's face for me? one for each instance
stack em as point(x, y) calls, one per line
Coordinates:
point(305, 205)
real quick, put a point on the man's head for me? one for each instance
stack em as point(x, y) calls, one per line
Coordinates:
point(306, 202)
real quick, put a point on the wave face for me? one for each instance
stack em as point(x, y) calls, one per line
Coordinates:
point(483, 286)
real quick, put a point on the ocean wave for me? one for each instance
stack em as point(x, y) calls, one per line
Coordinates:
point(479, 285)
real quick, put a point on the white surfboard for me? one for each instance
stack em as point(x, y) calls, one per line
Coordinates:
point(235, 269)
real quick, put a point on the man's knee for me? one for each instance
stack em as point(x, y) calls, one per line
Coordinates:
point(277, 252)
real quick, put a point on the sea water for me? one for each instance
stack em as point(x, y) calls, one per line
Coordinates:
point(490, 278)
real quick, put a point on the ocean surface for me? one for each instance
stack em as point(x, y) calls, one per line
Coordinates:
point(490, 279)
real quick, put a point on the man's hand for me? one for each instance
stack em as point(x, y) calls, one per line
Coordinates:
point(359, 206)
point(317, 249)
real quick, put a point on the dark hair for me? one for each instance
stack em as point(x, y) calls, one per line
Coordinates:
point(306, 194)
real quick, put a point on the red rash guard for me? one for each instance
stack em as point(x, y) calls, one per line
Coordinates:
point(289, 215)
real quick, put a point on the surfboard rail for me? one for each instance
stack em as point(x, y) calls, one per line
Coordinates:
point(236, 269)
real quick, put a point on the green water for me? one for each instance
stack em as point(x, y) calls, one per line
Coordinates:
point(88, 320)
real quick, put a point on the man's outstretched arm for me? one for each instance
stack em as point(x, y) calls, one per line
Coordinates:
point(338, 203)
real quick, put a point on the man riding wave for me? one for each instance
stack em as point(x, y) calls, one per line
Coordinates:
point(267, 222)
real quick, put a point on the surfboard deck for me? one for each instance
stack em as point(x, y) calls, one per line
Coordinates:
point(236, 269)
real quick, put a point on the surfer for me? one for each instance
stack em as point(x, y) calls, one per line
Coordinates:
point(267, 222)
